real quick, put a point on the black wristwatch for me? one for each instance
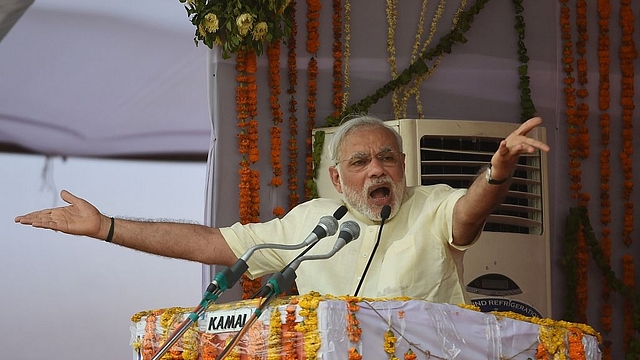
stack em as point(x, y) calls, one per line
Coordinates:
point(493, 181)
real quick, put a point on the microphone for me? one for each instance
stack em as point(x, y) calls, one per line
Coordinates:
point(327, 226)
point(384, 215)
point(266, 288)
point(349, 231)
point(340, 212)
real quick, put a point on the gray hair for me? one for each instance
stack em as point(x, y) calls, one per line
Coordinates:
point(366, 122)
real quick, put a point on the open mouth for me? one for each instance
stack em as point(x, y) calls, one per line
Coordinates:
point(380, 193)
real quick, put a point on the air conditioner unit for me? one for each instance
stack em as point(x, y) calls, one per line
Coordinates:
point(508, 269)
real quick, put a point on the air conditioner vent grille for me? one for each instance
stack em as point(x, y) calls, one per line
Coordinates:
point(456, 161)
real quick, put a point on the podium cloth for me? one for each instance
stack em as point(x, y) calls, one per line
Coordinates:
point(317, 327)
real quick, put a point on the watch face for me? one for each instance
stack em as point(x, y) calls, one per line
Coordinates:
point(492, 181)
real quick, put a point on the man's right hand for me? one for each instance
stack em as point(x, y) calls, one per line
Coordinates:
point(77, 218)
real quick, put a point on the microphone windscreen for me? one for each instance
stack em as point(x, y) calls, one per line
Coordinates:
point(385, 212)
point(340, 212)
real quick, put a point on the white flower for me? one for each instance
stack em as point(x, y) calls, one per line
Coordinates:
point(210, 22)
point(260, 31)
point(244, 23)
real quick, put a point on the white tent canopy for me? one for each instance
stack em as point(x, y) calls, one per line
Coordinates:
point(104, 79)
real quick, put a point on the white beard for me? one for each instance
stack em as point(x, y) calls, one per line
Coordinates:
point(357, 198)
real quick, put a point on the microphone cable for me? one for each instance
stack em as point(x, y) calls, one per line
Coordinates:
point(384, 215)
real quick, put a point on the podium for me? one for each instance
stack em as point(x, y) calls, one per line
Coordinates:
point(312, 326)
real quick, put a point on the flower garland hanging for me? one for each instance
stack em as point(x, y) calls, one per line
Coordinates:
point(242, 109)
point(347, 54)
point(420, 67)
point(308, 311)
point(578, 140)
point(289, 335)
point(389, 344)
point(414, 90)
point(190, 344)
point(578, 217)
point(604, 60)
point(354, 331)
point(570, 100)
point(275, 336)
point(582, 287)
point(337, 57)
point(150, 338)
point(629, 280)
point(292, 78)
point(526, 103)
point(628, 53)
point(313, 44)
point(249, 182)
point(245, 25)
point(273, 52)
point(582, 111)
point(576, 348)
point(391, 11)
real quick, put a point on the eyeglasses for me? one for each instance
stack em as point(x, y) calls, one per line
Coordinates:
point(360, 161)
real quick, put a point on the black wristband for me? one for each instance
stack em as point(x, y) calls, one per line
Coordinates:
point(110, 234)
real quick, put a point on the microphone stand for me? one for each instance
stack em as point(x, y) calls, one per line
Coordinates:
point(222, 281)
point(284, 279)
point(226, 278)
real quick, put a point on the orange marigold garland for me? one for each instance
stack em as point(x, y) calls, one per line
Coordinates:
point(569, 95)
point(347, 54)
point(312, 88)
point(313, 43)
point(628, 278)
point(582, 115)
point(576, 348)
point(353, 327)
point(337, 57)
point(273, 53)
point(292, 76)
point(249, 182)
point(582, 111)
point(582, 288)
point(150, 338)
point(294, 197)
point(289, 334)
point(242, 108)
point(628, 53)
point(208, 348)
point(313, 23)
point(578, 138)
point(604, 97)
